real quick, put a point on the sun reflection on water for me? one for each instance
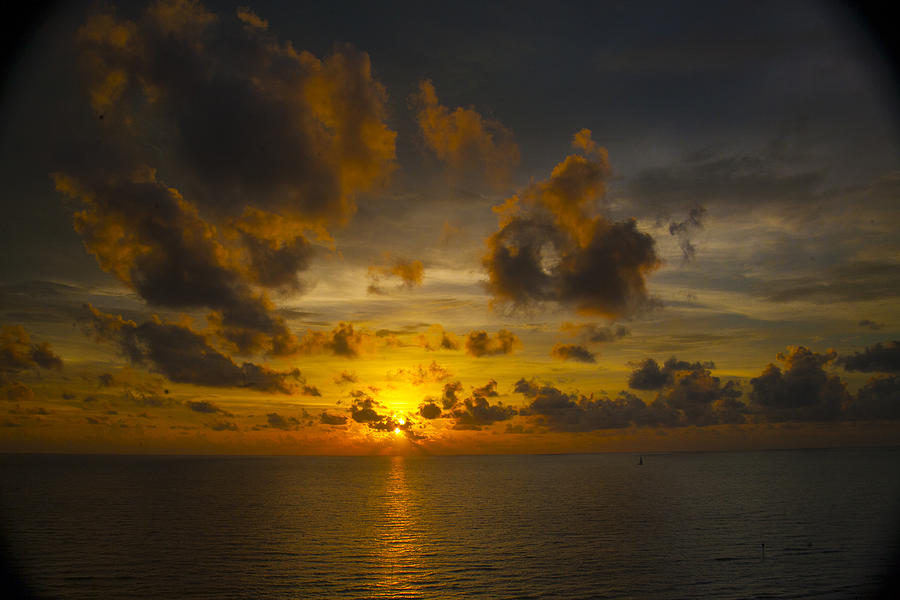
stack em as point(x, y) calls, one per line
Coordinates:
point(400, 545)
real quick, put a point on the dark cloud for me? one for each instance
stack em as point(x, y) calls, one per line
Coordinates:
point(550, 248)
point(345, 377)
point(476, 411)
point(573, 412)
point(450, 395)
point(205, 407)
point(874, 326)
point(593, 333)
point(222, 426)
point(106, 379)
point(298, 135)
point(803, 391)
point(572, 352)
point(343, 340)
point(281, 422)
point(18, 352)
point(883, 357)
point(879, 398)
point(16, 392)
point(183, 355)
point(154, 241)
point(480, 343)
point(685, 230)
point(429, 410)
point(326, 418)
point(650, 376)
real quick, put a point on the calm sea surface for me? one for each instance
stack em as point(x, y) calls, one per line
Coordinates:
point(571, 526)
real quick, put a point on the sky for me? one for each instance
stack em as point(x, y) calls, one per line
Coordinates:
point(397, 228)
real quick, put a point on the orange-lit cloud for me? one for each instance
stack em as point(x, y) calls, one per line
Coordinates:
point(409, 272)
point(183, 355)
point(551, 247)
point(480, 343)
point(466, 141)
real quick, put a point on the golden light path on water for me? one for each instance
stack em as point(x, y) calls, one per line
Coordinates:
point(400, 544)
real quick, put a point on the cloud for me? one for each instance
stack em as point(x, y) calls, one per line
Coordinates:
point(560, 411)
point(155, 241)
point(17, 392)
point(464, 140)
point(480, 343)
point(222, 426)
point(476, 411)
point(299, 135)
point(410, 273)
point(572, 352)
point(879, 398)
point(650, 376)
point(205, 407)
point(343, 340)
point(874, 326)
point(18, 352)
point(551, 248)
point(450, 394)
point(684, 231)
point(429, 410)
point(345, 377)
point(326, 418)
point(296, 139)
point(183, 355)
point(852, 281)
point(591, 332)
point(803, 391)
point(882, 358)
point(437, 338)
point(419, 375)
point(280, 422)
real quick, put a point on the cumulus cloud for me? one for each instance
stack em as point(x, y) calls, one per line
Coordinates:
point(268, 144)
point(298, 134)
point(409, 272)
point(802, 391)
point(468, 143)
point(480, 343)
point(344, 340)
point(551, 246)
point(883, 357)
point(476, 411)
point(563, 411)
point(572, 352)
point(650, 376)
point(18, 352)
point(879, 398)
point(429, 410)
point(154, 241)
point(184, 355)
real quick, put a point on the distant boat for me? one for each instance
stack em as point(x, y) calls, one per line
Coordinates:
point(641, 461)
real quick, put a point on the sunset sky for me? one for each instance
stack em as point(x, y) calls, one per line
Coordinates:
point(360, 227)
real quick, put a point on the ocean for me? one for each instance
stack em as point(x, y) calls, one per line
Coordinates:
point(773, 524)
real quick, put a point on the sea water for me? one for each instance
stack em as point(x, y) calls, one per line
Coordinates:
point(774, 524)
